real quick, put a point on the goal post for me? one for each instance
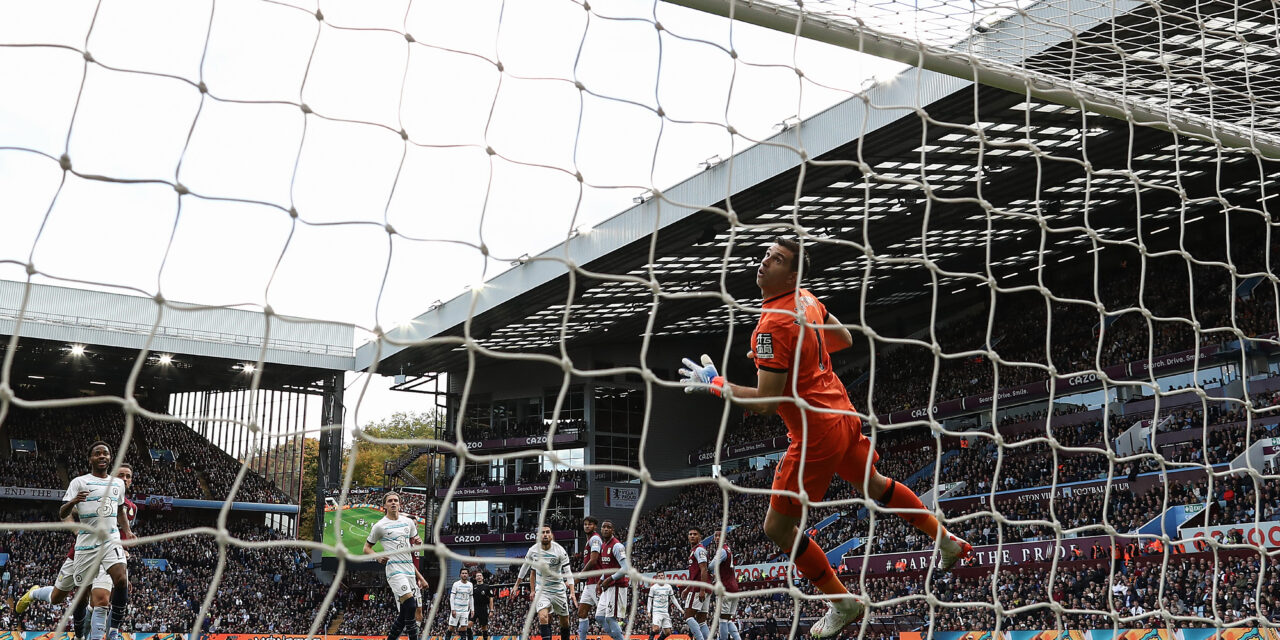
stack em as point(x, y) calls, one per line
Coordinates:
point(996, 66)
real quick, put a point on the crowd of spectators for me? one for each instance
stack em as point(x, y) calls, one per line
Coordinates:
point(476, 430)
point(63, 437)
point(1077, 339)
point(532, 473)
point(261, 590)
point(256, 582)
point(747, 428)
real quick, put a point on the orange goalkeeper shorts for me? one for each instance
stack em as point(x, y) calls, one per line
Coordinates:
point(842, 450)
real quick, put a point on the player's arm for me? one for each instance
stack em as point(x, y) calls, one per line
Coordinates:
point(417, 575)
point(122, 521)
point(593, 556)
point(75, 495)
point(567, 574)
point(524, 569)
point(620, 555)
point(762, 398)
point(769, 384)
point(702, 565)
point(375, 535)
point(835, 336)
point(720, 556)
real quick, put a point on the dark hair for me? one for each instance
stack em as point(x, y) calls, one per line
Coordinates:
point(698, 529)
point(545, 526)
point(792, 245)
point(608, 522)
point(124, 465)
point(592, 520)
point(99, 443)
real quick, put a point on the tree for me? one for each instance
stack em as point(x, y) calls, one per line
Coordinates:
point(370, 457)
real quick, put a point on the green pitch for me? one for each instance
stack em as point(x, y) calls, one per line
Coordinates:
point(353, 533)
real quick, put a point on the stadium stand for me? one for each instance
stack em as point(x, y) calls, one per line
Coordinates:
point(1215, 427)
point(63, 435)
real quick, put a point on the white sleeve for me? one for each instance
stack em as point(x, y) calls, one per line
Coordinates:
point(375, 534)
point(471, 598)
point(524, 568)
point(565, 571)
point(72, 490)
point(721, 556)
point(700, 554)
point(620, 556)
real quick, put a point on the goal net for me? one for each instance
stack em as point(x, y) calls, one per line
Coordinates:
point(458, 252)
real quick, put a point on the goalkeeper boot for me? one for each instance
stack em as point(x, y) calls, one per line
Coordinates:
point(25, 601)
point(954, 549)
point(840, 614)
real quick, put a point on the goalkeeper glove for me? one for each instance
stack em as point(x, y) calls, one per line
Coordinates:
point(704, 374)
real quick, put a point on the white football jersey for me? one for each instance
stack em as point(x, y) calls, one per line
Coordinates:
point(99, 510)
point(461, 596)
point(557, 559)
point(660, 598)
point(396, 535)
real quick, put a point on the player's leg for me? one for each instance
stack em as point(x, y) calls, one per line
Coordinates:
point(612, 606)
point(728, 609)
point(99, 612)
point(51, 595)
point(702, 616)
point(585, 604)
point(666, 630)
point(119, 572)
point(691, 605)
point(782, 522)
point(860, 471)
point(544, 620)
point(561, 606)
point(566, 632)
point(404, 595)
point(90, 573)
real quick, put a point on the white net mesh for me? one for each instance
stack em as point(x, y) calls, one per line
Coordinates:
point(1063, 323)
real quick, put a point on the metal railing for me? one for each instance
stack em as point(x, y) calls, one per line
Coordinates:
point(138, 328)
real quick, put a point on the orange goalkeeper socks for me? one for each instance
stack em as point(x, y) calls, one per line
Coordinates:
point(812, 563)
point(900, 497)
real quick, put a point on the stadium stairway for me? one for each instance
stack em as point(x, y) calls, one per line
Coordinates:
point(827, 521)
point(836, 555)
point(1168, 522)
point(204, 486)
point(336, 624)
point(927, 469)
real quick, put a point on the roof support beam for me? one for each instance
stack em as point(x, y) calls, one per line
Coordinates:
point(980, 62)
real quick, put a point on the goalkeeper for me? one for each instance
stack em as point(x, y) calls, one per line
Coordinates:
point(792, 345)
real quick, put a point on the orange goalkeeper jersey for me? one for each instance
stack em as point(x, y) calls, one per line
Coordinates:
point(785, 345)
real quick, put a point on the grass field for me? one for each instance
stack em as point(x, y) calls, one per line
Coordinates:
point(353, 533)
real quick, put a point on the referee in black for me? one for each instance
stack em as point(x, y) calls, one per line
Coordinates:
point(483, 595)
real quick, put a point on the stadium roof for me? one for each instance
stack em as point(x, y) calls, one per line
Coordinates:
point(208, 346)
point(886, 192)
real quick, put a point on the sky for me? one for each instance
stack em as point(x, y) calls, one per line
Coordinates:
point(501, 105)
